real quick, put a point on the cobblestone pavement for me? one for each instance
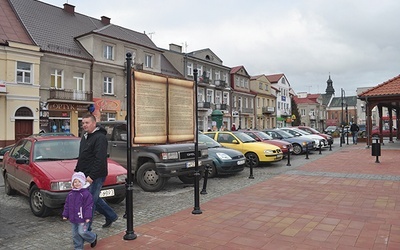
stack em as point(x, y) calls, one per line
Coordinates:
point(20, 229)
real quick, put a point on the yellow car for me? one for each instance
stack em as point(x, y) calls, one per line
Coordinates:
point(254, 151)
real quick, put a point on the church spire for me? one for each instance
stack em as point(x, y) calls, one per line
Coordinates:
point(329, 89)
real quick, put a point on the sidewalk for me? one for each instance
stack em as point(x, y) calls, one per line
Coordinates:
point(342, 201)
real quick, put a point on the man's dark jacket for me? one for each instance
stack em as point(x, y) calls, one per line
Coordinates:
point(92, 159)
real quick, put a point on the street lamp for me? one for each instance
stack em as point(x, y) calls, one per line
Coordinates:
point(342, 96)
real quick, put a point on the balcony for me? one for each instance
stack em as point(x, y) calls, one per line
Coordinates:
point(204, 79)
point(70, 94)
point(222, 106)
point(268, 110)
point(312, 117)
point(204, 105)
point(220, 83)
point(247, 111)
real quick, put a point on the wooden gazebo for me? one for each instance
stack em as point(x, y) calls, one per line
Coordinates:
point(387, 95)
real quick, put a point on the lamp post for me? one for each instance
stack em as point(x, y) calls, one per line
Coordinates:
point(130, 233)
point(342, 96)
point(196, 208)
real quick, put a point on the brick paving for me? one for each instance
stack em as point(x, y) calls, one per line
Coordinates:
point(343, 200)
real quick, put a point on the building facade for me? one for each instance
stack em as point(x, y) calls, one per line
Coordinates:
point(265, 102)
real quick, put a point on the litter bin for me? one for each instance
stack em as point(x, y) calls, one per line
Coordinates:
point(376, 148)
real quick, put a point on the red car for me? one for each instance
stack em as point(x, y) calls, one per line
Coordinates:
point(385, 131)
point(263, 137)
point(41, 166)
point(311, 130)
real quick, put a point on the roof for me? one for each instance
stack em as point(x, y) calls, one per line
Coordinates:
point(235, 69)
point(55, 30)
point(274, 78)
point(388, 88)
point(349, 100)
point(310, 99)
point(11, 28)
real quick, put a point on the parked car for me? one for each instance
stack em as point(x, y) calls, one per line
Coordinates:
point(254, 151)
point(300, 145)
point(330, 130)
point(385, 131)
point(225, 160)
point(5, 150)
point(311, 130)
point(261, 136)
point(41, 167)
point(319, 140)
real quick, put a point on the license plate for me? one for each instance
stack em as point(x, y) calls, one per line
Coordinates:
point(191, 164)
point(107, 193)
point(241, 162)
point(279, 156)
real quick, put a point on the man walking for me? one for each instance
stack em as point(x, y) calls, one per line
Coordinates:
point(92, 162)
point(354, 132)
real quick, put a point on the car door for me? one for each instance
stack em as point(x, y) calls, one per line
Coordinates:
point(229, 141)
point(23, 171)
point(118, 144)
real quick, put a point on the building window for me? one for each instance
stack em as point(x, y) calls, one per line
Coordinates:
point(260, 85)
point(217, 75)
point(108, 116)
point(190, 69)
point(199, 70)
point(57, 79)
point(24, 72)
point(225, 98)
point(302, 112)
point(200, 95)
point(108, 52)
point(108, 85)
point(218, 97)
point(79, 80)
point(148, 61)
point(210, 95)
point(237, 81)
point(242, 83)
point(209, 73)
point(283, 81)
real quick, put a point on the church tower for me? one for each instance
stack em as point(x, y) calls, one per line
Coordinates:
point(329, 89)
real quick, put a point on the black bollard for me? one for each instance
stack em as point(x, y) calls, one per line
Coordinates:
point(204, 190)
point(320, 147)
point(288, 158)
point(307, 152)
point(251, 170)
point(330, 147)
point(347, 137)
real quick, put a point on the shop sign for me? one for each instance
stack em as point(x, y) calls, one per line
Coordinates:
point(67, 106)
point(3, 87)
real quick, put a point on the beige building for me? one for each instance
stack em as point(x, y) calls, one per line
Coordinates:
point(19, 80)
point(265, 100)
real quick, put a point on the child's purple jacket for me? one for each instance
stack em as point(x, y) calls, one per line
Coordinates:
point(78, 206)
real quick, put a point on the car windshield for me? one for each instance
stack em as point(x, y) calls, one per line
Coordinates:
point(244, 137)
point(301, 131)
point(284, 134)
point(211, 143)
point(263, 135)
point(313, 130)
point(53, 150)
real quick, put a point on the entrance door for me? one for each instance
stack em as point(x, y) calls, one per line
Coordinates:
point(23, 128)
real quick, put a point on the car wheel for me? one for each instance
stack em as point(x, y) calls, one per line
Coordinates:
point(212, 171)
point(252, 160)
point(148, 178)
point(36, 203)
point(297, 149)
point(188, 179)
point(8, 189)
point(115, 200)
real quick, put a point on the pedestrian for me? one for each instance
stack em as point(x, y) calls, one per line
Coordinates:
point(78, 210)
point(233, 127)
point(92, 161)
point(354, 132)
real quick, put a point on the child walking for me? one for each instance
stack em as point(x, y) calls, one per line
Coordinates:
point(78, 210)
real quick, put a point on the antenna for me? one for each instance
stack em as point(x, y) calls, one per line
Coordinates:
point(309, 88)
point(185, 45)
point(150, 34)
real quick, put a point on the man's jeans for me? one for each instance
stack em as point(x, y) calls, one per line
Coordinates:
point(80, 234)
point(98, 203)
point(354, 134)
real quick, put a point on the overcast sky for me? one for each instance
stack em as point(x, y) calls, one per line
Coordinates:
point(357, 42)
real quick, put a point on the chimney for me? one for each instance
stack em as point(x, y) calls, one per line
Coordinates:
point(175, 47)
point(69, 8)
point(105, 20)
